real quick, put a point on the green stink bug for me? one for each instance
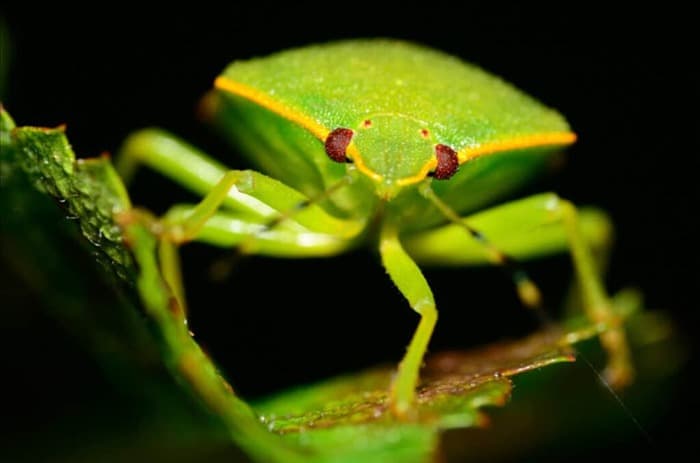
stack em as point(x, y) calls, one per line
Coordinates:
point(388, 143)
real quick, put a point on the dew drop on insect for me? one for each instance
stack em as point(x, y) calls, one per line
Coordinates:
point(447, 162)
point(337, 142)
point(552, 203)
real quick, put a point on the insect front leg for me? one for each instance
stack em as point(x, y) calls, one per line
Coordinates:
point(410, 280)
point(252, 193)
point(175, 230)
point(534, 227)
point(253, 200)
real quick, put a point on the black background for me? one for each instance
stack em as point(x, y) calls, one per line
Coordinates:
point(625, 82)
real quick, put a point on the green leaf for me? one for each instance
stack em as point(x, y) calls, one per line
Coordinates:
point(348, 419)
point(90, 190)
point(43, 239)
point(91, 296)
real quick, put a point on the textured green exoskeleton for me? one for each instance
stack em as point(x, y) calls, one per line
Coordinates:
point(359, 133)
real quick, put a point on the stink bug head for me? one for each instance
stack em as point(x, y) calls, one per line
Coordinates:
point(393, 150)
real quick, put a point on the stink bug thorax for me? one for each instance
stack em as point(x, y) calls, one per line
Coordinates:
point(337, 143)
point(447, 162)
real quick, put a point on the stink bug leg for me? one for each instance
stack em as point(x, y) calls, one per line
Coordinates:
point(553, 225)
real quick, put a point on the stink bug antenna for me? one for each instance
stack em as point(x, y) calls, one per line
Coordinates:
point(528, 292)
point(305, 204)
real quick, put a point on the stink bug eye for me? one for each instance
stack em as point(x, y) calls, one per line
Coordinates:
point(337, 142)
point(447, 162)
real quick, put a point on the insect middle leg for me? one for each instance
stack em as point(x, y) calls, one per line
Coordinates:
point(533, 227)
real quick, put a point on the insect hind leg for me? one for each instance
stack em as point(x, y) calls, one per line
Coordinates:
point(529, 228)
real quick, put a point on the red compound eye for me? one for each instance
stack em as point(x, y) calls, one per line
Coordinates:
point(337, 142)
point(447, 162)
